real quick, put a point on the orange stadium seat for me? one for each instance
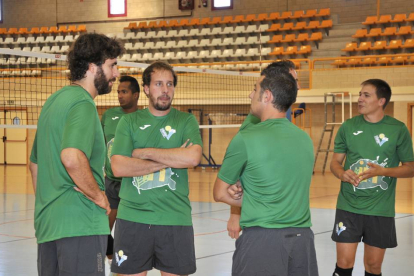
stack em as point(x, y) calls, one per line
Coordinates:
point(389, 31)
point(249, 18)
point(404, 30)
point(194, 22)
point(172, 23)
point(23, 31)
point(370, 20)
point(261, 17)
point(53, 30)
point(277, 51)
point(204, 21)
point(287, 26)
point(238, 19)
point(131, 26)
point(304, 50)
point(309, 13)
point(276, 39)
point(315, 36)
point(297, 14)
point(300, 26)
point(302, 37)
point(215, 20)
point(368, 61)
point(410, 17)
point(394, 44)
point(374, 32)
point(62, 29)
point(338, 62)
point(324, 12)
point(379, 45)
point(274, 27)
point(384, 19)
point(72, 29)
point(183, 22)
point(364, 46)
point(81, 28)
point(410, 59)
point(291, 50)
point(409, 43)
point(142, 25)
point(350, 47)
point(353, 61)
point(399, 18)
point(34, 30)
point(12, 31)
point(289, 38)
point(44, 30)
point(286, 15)
point(312, 25)
point(383, 60)
point(326, 24)
point(3, 30)
point(360, 33)
point(399, 60)
point(152, 24)
point(161, 24)
point(227, 19)
point(273, 16)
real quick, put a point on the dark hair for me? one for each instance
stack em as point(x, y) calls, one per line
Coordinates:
point(91, 48)
point(133, 83)
point(283, 64)
point(158, 65)
point(383, 90)
point(282, 85)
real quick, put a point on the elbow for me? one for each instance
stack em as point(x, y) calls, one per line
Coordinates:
point(69, 159)
point(116, 167)
point(218, 197)
point(195, 158)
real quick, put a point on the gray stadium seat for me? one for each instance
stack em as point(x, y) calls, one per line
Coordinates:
point(137, 57)
point(172, 33)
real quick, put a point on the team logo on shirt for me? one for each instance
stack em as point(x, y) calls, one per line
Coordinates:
point(340, 227)
point(120, 257)
point(167, 132)
point(109, 146)
point(362, 165)
point(155, 180)
point(380, 139)
point(358, 132)
point(114, 118)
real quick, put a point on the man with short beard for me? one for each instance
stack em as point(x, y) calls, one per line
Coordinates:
point(152, 150)
point(71, 209)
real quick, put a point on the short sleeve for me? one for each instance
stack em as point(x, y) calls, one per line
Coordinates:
point(33, 155)
point(123, 143)
point(192, 131)
point(340, 140)
point(234, 161)
point(79, 130)
point(405, 146)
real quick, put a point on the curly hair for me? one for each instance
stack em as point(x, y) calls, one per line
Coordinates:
point(91, 48)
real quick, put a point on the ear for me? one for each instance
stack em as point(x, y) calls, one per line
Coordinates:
point(146, 90)
point(267, 96)
point(381, 102)
point(92, 68)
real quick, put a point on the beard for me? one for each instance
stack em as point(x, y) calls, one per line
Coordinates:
point(102, 83)
point(159, 106)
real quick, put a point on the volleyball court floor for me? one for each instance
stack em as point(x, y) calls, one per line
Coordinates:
point(214, 249)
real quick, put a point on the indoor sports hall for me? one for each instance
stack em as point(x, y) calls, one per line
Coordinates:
point(217, 48)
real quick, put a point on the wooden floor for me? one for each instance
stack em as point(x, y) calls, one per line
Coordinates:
point(214, 249)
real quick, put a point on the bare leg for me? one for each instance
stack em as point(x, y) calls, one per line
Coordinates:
point(169, 274)
point(373, 258)
point(345, 254)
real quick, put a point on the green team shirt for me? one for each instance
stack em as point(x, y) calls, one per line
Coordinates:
point(69, 119)
point(159, 198)
point(274, 162)
point(386, 143)
point(109, 121)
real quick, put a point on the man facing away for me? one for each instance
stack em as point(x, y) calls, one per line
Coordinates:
point(128, 95)
point(372, 145)
point(275, 214)
point(233, 224)
point(152, 150)
point(67, 158)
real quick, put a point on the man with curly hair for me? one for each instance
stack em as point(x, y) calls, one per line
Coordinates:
point(71, 209)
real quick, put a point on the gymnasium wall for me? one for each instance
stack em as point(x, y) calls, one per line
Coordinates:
point(29, 13)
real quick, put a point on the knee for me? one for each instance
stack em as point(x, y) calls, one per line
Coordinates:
point(345, 262)
point(372, 266)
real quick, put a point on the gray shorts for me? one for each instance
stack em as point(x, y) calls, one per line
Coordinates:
point(77, 256)
point(140, 247)
point(112, 189)
point(373, 230)
point(275, 252)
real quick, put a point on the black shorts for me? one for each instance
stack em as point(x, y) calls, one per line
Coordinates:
point(373, 230)
point(112, 188)
point(77, 256)
point(140, 247)
point(266, 252)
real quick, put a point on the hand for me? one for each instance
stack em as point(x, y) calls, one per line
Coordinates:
point(185, 144)
point(102, 202)
point(235, 191)
point(233, 226)
point(374, 170)
point(351, 177)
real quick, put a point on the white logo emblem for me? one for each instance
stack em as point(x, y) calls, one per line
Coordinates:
point(120, 257)
point(380, 139)
point(144, 127)
point(114, 118)
point(170, 131)
point(339, 228)
point(358, 132)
